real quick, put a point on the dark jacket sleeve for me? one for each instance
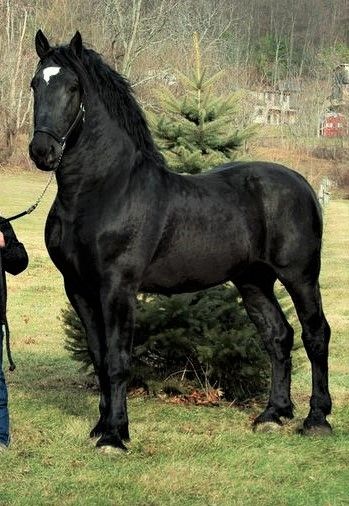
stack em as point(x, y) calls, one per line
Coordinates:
point(14, 255)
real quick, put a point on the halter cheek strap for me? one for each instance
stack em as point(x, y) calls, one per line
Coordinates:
point(62, 140)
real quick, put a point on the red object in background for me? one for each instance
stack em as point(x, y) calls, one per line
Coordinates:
point(334, 124)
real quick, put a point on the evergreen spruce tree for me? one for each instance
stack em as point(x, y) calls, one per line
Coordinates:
point(196, 130)
point(207, 334)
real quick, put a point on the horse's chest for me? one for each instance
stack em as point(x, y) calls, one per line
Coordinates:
point(66, 248)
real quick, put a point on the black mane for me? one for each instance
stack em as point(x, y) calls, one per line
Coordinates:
point(115, 92)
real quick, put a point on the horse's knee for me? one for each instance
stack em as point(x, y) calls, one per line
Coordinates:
point(279, 344)
point(316, 336)
point(285, 340)
point(118, 365)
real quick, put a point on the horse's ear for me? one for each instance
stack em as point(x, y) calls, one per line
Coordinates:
point(41, 44)
point(76, 44)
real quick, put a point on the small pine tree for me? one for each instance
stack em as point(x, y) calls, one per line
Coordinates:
point(206, 333)
point(196, 131)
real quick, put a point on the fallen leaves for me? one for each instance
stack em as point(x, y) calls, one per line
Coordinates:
point(209, 397)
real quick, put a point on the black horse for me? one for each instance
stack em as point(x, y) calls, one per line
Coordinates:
point(122, 222)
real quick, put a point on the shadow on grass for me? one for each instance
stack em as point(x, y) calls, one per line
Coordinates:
point(52, 380)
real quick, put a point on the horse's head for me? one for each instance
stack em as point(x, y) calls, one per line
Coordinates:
point(57, 102)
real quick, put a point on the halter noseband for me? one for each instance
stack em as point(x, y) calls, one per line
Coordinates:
point(62, 140)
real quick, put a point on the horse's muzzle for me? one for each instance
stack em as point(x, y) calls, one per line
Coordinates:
point(45, 152)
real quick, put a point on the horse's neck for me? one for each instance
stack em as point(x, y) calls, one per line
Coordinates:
point(102, 154)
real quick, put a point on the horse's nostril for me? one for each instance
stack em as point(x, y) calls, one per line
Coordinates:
point(51, 154)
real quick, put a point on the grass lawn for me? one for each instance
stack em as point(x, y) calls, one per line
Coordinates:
point(178, 455)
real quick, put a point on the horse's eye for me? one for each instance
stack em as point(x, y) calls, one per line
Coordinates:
point(73, 88)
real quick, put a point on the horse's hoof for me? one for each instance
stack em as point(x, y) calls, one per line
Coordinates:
point(316, 425)
point(112, 450)
point(324, 429)
point(267, 427)
point(111, 440)
point(268, 417)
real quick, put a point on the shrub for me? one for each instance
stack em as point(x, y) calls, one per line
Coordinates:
point(205, 337)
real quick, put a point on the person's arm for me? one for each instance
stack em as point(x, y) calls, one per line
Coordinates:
point(14, 255)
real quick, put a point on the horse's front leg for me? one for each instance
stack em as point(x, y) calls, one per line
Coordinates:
point(91, 318)
point(118, 311)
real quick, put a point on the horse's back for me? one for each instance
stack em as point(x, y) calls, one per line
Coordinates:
point(282, 195)
point(267, 192)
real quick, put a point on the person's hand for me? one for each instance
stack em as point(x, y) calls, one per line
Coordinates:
point(2, 240)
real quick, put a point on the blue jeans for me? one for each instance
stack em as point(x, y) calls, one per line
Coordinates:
point(4, 416)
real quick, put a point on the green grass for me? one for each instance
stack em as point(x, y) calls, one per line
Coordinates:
point(178, 455)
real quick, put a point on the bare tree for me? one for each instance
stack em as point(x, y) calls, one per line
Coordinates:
point(146, 39)
point(15, 98)
point(135, 26)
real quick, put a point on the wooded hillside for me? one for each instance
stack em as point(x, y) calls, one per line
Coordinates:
point(288, 47)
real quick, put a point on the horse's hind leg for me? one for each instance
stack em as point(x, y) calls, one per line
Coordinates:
point(263, 309)
point(316, 335)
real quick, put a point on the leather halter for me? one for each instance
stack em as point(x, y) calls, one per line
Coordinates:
point(62, 140)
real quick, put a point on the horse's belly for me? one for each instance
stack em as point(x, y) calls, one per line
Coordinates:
point(167, 282)
point(193, 267)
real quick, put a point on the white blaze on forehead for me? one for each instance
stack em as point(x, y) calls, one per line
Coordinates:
point(49, 72)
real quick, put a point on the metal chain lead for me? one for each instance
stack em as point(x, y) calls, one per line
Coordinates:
point(35, 205)
point(41, 196)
